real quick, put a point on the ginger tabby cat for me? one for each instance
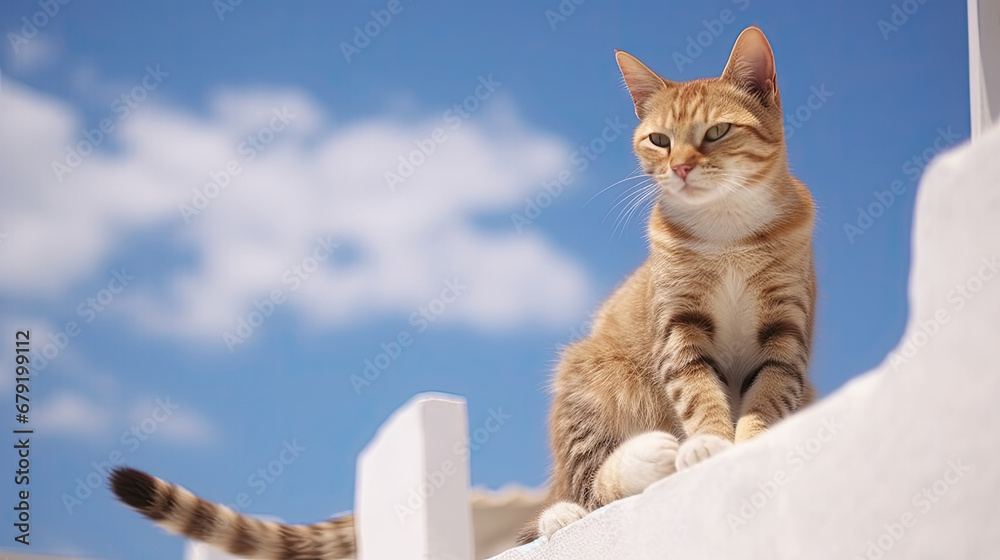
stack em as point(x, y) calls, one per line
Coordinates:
point(708, 342)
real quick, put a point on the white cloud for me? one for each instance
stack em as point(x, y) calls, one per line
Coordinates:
point(68, 414)
point(181, 425)
point(71, 415)
point(313, 180)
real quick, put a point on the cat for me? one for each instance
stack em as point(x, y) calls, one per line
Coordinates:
point(707, 344)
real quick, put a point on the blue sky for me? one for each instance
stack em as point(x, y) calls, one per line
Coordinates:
point(153, 288)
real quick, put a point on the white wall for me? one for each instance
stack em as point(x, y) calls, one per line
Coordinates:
point(984, 63)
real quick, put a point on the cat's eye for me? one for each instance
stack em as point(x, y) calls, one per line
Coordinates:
point(716, 132)
point(660, 140)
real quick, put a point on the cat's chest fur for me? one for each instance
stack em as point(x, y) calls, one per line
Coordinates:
point(735, 307)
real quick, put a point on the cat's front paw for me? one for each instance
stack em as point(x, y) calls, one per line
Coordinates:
point(645, 459)
point(699, 447)
point(636, 464)
point(749, 426)
point(557, 516)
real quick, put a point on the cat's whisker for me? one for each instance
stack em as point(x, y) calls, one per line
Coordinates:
point(634, 175)
point(628, 190)
point(722, 184)
point(738, 180)
point(634, 204)
point(628, 196)
point(733, 185)
point(627, 213)
point(635, 195)
point(628, 202)
point(631, 190)
point(730, 178)
point(650, 205)
point(628, 216)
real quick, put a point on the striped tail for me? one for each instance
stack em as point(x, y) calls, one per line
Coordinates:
point(182, 513)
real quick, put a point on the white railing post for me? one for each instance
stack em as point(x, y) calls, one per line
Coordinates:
point(412, 496)
point(984, 64)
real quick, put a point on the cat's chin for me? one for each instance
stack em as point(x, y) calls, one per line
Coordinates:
point(692, 194)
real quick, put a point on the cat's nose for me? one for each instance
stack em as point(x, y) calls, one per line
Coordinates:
point(682, 169)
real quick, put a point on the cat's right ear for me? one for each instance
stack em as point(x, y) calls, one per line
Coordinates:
point(642, 82)
point(751, 65)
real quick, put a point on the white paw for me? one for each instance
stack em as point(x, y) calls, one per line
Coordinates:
point(643, 460)
point(700, 447)
point(557, 516)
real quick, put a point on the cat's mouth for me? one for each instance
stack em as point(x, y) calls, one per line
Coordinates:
point(692, 190)
point(681, 187)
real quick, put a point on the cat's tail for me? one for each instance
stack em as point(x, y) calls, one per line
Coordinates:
point(182, 513)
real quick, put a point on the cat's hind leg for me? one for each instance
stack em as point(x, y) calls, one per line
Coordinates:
point(559, 515)
point(637, 463)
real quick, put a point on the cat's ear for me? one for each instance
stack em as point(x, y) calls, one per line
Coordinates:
point(642, 82)
point(751, 65)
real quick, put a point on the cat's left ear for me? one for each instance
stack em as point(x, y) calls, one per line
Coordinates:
point(751, 65)
point(642, 82)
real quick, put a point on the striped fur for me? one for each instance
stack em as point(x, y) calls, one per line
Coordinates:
point(182, 513)
point(707, 343)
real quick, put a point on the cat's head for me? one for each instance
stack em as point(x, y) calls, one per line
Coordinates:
point(714, 138)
